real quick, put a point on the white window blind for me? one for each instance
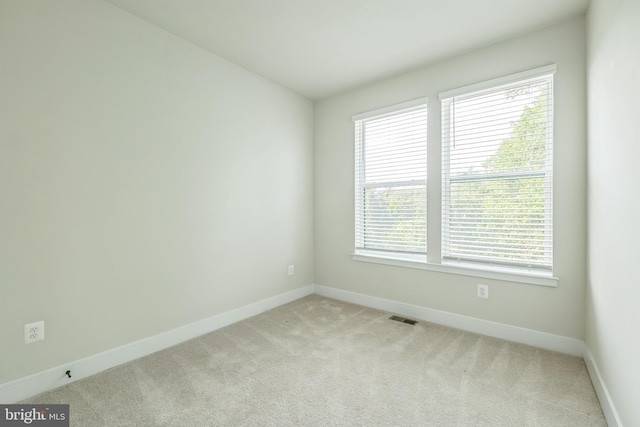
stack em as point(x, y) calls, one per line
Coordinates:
point(390, 179)
point(497, 188)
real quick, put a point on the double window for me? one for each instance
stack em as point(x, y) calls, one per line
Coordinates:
point(496, 182)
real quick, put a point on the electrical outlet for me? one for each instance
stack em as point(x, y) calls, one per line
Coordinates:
point(33, 332)
point(483, 291)
point(291, 270)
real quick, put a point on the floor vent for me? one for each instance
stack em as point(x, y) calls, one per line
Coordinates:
point(403, 320)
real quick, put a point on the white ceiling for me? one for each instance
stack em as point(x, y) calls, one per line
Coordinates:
point(318, 48)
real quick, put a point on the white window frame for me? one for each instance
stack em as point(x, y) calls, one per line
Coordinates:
point(522, 274)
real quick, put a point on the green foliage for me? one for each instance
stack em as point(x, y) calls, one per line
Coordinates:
point(395, 218)
point(525, 149)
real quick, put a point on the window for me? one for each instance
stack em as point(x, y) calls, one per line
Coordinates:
point(391, 178)
point(497, 182)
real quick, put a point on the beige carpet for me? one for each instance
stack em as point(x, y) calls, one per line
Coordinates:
point(321, 362)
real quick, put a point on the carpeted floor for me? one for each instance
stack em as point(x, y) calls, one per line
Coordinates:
point(321, 362)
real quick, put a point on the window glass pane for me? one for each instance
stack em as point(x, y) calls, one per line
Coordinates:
point(497, 175)
point(500, 220)
point(394, 218)
point(395, 147)
point(391, 176)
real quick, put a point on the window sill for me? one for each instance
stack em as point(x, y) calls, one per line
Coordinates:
point(489, 272)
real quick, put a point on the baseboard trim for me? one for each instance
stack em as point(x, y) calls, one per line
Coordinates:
point(40, 382)
point(608, 408)
point(517, 334)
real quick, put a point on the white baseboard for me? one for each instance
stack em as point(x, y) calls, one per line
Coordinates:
point(608, 408)
point(40, 382)
point(485, 327)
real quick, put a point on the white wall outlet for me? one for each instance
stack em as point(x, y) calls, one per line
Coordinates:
point(33, 332)
point(291, 270)
point(483, 291)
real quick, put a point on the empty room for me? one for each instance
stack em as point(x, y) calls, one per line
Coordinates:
point(319, 213)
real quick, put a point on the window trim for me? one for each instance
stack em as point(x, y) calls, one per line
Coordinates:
point(500, 81)
point(390, 109)
point(486, 271)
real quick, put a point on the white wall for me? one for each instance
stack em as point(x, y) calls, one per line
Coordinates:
point(554, 310)
point(613, 314)
point(144, 183)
